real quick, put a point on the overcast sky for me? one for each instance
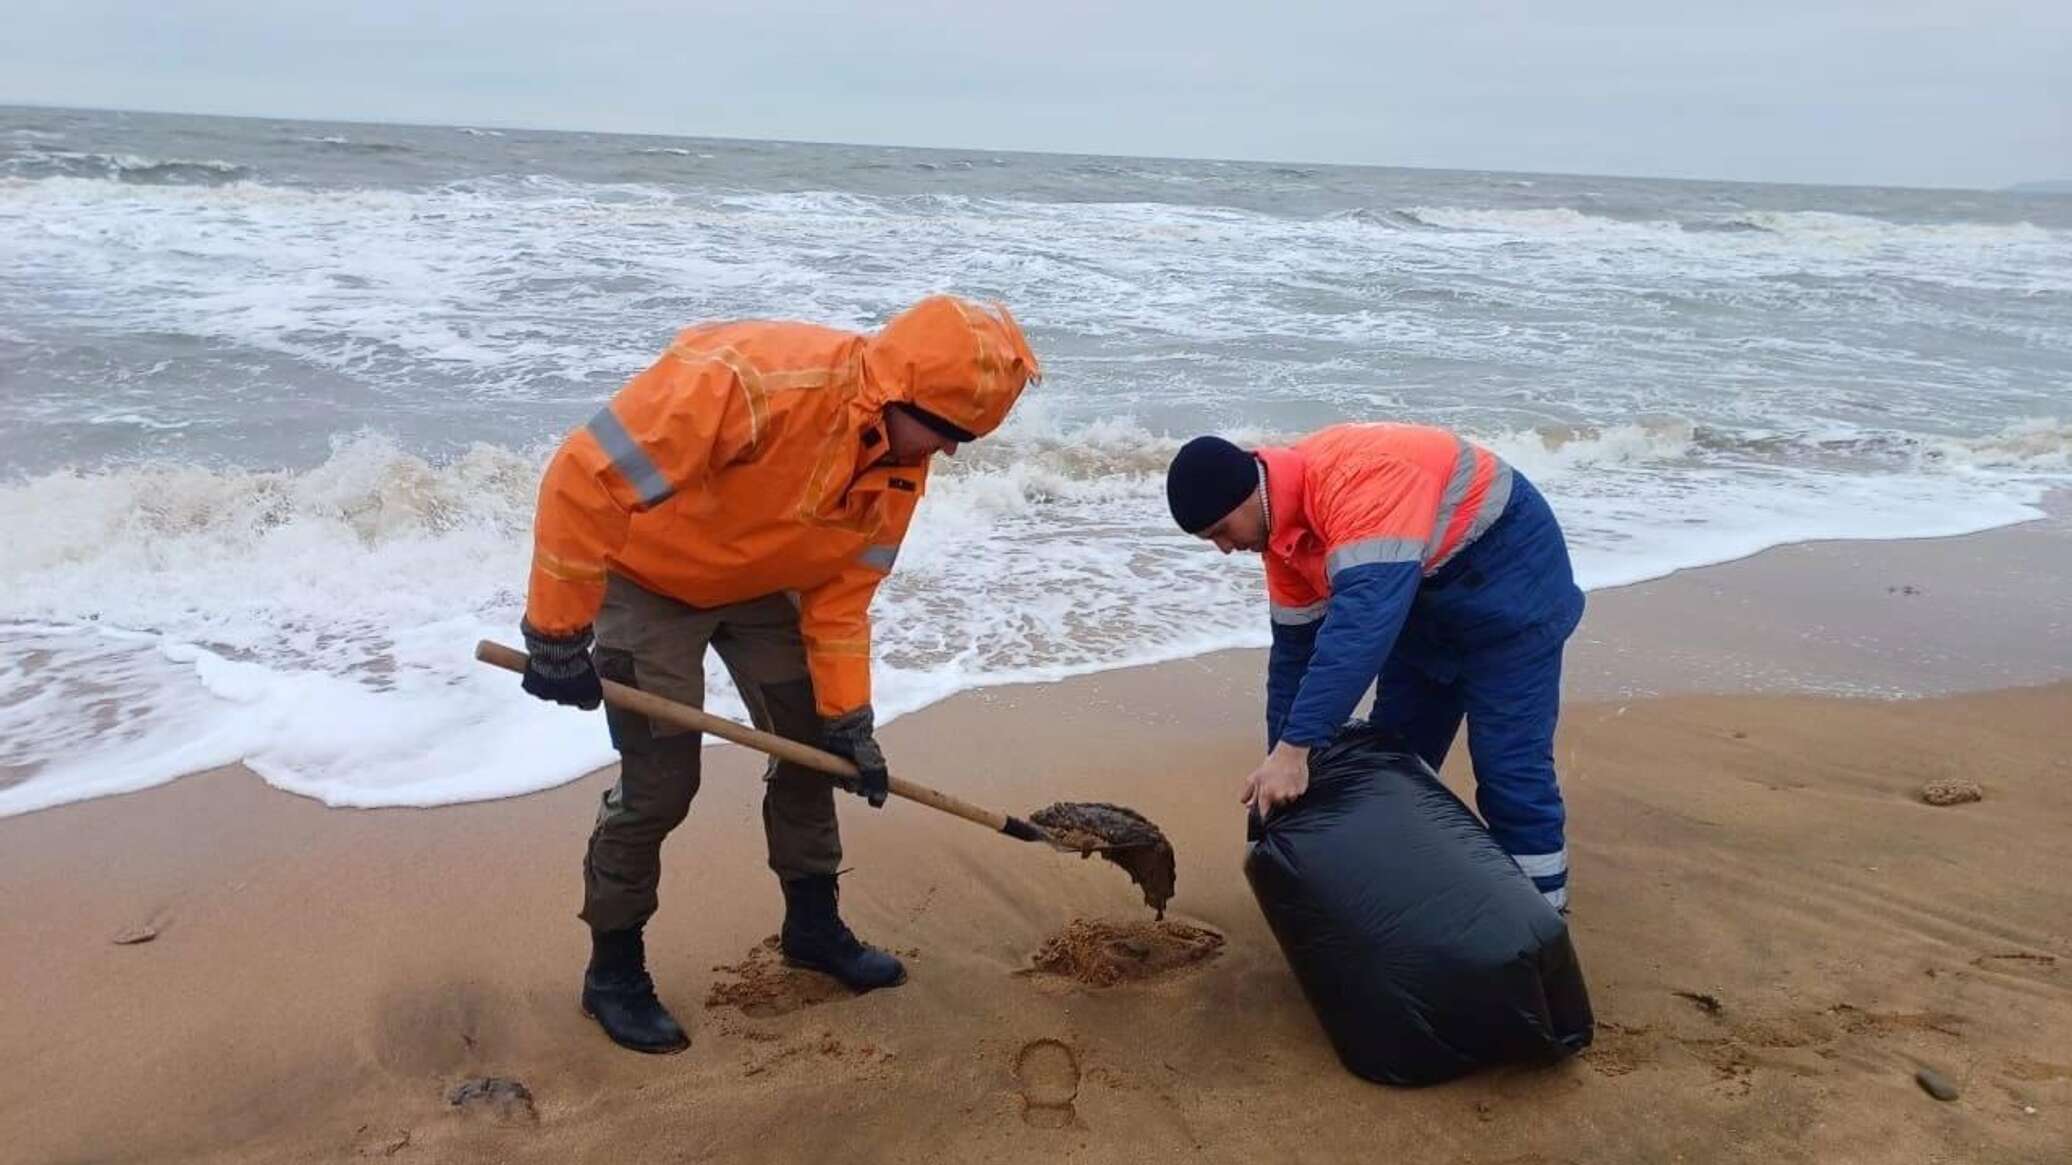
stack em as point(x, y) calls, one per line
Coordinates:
point(1977, 93)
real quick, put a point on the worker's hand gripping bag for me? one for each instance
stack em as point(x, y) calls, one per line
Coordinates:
point(1424, 950)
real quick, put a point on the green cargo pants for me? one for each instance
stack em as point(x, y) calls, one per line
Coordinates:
point(657, 644)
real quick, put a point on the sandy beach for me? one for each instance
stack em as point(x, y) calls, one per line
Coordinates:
point(1776, 929)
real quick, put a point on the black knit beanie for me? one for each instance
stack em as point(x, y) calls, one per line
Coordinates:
point(1208, 478)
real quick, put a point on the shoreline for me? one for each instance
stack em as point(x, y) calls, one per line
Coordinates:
point(1668, 635)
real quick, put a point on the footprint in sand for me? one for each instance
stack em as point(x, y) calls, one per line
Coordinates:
point(1049, 1076)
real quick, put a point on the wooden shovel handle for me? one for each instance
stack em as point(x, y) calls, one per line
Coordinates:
point(698, 720)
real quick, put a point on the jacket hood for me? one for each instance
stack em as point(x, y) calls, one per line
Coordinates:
point(961, 361)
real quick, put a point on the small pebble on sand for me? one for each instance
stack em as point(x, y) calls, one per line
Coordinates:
point(1935, 1084)
point(1951, 792)
point(131, 936)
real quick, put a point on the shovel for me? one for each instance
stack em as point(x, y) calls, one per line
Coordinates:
point(1138, 851)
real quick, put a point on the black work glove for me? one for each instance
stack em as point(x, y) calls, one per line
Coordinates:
point(851, 737)
point(559, 668)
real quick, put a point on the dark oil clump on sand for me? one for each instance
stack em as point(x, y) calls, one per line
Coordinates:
point(1121, 835)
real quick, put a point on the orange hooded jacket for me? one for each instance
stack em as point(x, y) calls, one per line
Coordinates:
point(748, 461)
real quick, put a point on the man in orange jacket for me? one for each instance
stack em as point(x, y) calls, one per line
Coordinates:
point(749, 491)
point(1406, 560)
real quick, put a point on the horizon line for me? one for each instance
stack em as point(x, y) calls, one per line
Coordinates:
point(2014, 188)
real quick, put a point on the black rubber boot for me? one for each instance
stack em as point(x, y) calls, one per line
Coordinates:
point(618, 994)
point(815, 938)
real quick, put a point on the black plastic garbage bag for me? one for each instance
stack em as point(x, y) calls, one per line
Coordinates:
point(1424, 950)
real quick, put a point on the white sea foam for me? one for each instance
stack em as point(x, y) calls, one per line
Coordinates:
point(160, 619)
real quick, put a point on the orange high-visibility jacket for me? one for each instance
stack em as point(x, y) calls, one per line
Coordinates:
point(748, 461)
point(1362, 514)
point(1357, 494)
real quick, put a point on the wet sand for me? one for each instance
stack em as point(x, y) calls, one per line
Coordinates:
point(1778, 932)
